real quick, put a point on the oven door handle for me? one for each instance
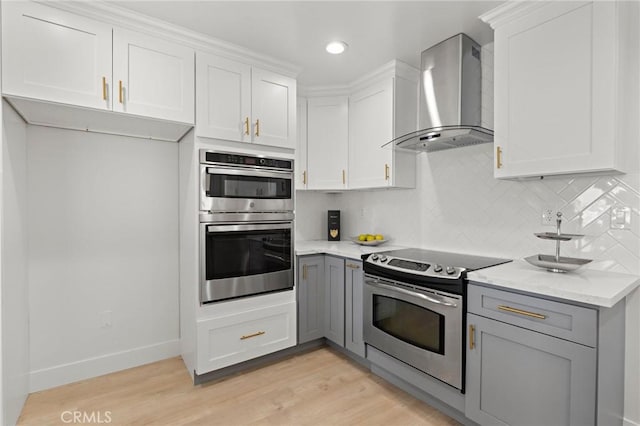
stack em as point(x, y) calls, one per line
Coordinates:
point(247, 227)
point(248, 172)
point(432, 299)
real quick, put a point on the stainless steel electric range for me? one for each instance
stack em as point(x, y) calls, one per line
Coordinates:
point(414, 308)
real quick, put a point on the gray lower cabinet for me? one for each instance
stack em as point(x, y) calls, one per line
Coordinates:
point(311, 296)
point(334, 300)
point(517, 376)
point(353, 303)
point(534, 361)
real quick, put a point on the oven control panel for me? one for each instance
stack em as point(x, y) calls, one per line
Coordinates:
point(415, 267)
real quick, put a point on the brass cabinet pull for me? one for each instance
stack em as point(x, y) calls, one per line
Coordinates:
point(120, 91)
point(249, 336)
point(472, 336)
point(386, 172)
point(246, 126)
point(521, 312)
point(353, 266)
point(344, 177)
point(304, 177)
point(257, 127)
point(104, 88)
point(304, 272)
point(498, 157)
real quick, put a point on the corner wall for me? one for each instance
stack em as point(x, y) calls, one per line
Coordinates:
point(103, 258)
point(14, 261)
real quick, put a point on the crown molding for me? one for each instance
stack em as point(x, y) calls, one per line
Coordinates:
point(509, 11)
point(119, 16)
point(392, 68)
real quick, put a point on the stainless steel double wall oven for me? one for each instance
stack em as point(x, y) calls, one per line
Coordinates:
point(246, 225)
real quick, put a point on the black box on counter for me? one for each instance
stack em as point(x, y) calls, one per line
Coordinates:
point(333, 225)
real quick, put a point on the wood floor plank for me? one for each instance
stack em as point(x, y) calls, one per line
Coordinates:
point(321, 387)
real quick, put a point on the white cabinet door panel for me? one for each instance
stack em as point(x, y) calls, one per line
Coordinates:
point(223, 98)
point(157, 77)
point(327, 142)
point(371, 126)
point(273, 107)
point(54, 55)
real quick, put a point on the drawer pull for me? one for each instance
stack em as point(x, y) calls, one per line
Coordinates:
point(249, 336)
point(521, 312)
point(353, 266)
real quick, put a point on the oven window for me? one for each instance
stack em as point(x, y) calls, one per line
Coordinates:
point(410, 323)
point(241, 253)
point(232, 186)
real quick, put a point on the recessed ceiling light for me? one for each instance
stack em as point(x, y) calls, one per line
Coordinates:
point(336, 47)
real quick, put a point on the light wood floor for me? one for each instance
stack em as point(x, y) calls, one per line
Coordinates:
point(321, 387)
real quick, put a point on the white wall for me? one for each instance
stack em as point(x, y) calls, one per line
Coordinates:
point(311, 214)
point(103, 236)
point(14, 260)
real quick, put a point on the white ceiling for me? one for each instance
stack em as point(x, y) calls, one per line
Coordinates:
point(297, 31)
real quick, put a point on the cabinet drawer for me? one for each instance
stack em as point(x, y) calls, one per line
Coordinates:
point(228, 340)
point(570, 322)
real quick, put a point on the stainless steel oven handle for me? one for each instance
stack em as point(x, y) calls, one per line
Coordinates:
point(248, 172)
point(248, 227)
point(432, 299)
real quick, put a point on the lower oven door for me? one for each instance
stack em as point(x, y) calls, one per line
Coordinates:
point(244, 259)
point(420, 327)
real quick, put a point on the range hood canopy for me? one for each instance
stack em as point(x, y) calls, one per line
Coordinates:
point(450, 99)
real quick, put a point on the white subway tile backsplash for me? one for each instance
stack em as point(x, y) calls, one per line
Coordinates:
point(458, 206)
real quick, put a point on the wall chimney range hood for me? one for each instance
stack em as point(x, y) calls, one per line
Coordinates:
point(450, 99)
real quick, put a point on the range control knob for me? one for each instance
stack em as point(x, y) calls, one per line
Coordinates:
point(451, 270)
point(437, 268)
point(374, 257)
point(383, 258)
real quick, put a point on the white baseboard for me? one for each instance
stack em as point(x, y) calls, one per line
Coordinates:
point(627, 422)
point(47, 378)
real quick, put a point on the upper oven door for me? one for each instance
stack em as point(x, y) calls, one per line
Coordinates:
point(245, 259)
point(420, 327)
point(231, 189)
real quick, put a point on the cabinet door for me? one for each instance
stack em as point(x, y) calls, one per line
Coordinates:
point(301, 146)
point(353, 282)
point(273, 107)
point(555, 90)
point(371, 126)
point(152, 77)
point(334, 300)
point(327, 142)
point(521, 377)
point(56, 56)
point(311, 291)
point(223, 97)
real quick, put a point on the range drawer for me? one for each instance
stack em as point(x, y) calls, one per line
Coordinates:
point(569, 322)
point(228, 340)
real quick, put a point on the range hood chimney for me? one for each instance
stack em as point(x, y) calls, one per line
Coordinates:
point(450, 98)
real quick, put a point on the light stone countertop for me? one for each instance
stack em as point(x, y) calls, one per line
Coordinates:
point(599, 288)
point(587, 286)
point(346, 249)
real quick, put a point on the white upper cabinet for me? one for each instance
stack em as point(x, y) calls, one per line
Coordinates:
point(327, 142)
point(152, 77)
point(379, 112)
point(241, 103)
point(564, 82)
point(56, 56)
point(273, 107)
point(223, 98)
point(64, 70)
